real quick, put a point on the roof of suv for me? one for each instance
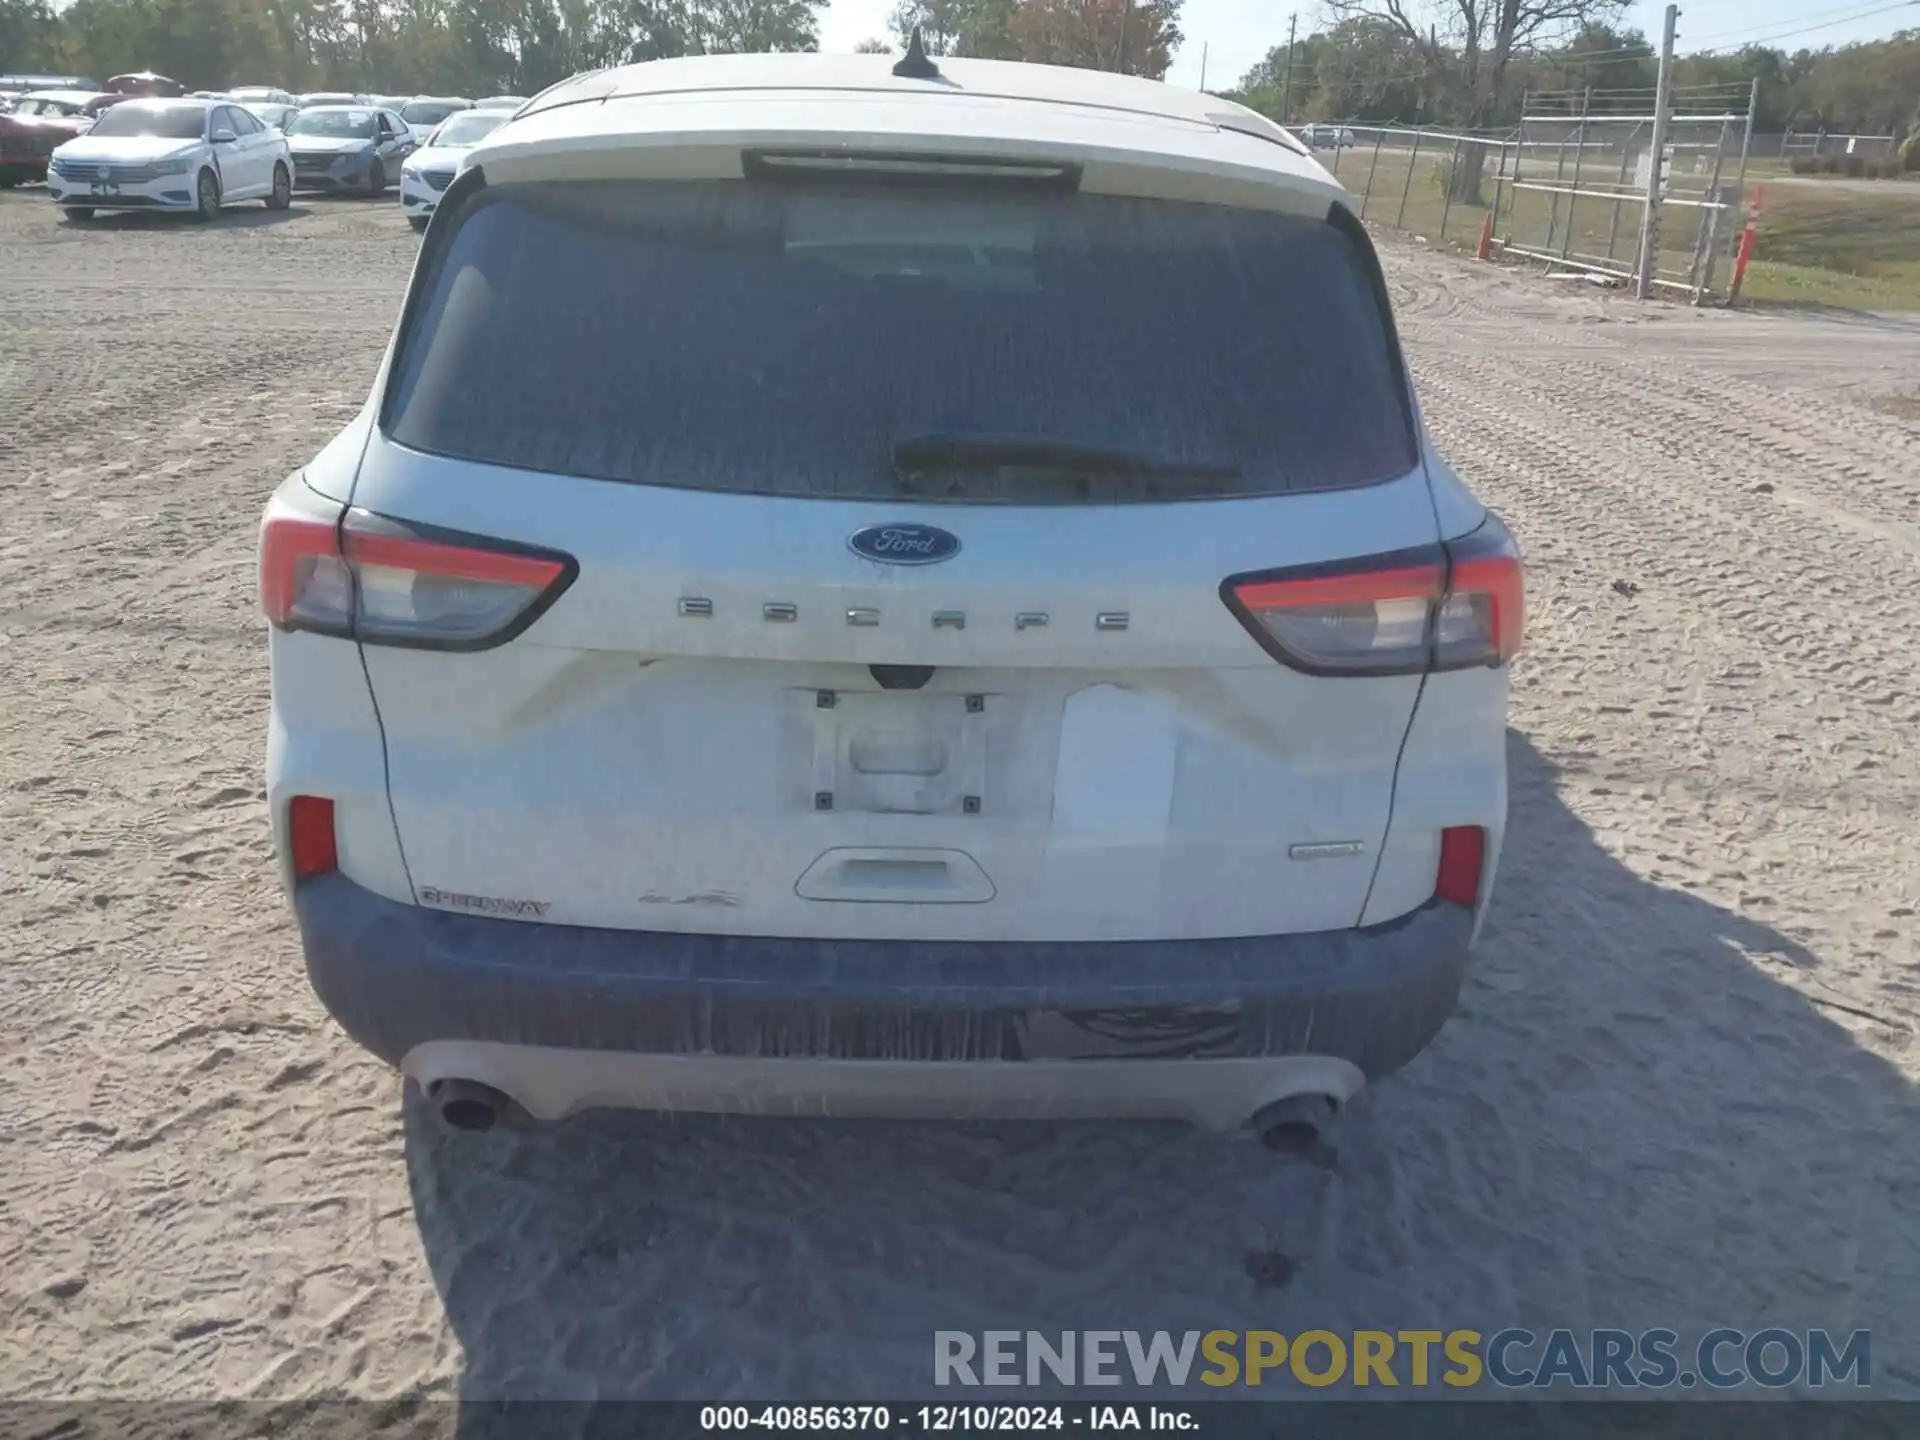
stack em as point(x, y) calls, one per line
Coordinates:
point(1105, 121)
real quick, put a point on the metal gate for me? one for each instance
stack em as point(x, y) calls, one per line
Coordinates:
point(1576, 187)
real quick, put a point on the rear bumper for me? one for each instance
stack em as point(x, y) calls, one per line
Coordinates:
point(421, 987)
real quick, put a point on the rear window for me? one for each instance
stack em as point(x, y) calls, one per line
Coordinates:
point(762, 338)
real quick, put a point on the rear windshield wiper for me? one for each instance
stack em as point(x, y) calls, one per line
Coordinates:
point(931, 454)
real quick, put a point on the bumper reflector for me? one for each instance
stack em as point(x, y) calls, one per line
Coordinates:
point(1463, 849)
point(310, 836)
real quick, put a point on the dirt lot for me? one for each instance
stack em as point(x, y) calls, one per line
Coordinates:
point(1680, 1092)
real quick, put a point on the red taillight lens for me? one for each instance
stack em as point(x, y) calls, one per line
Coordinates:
point(310, 836)
point(1439, 608)
point(1350, 621)
point(1463, 849)
point(304, 583)
point(1482, 620)
point(387, 584)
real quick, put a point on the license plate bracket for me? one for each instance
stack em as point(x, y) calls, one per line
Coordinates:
point(897, 753)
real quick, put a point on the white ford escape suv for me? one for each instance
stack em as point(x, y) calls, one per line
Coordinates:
point(877, 589)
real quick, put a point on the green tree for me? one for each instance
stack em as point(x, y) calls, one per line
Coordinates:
point(1618, 67)
point(29, 36)
point(979, 28)
point(1359, 70)
point(1135, 37)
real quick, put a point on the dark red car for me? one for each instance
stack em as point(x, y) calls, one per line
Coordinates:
point(39, 121)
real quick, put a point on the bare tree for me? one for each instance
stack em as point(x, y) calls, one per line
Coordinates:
point(1467, 45)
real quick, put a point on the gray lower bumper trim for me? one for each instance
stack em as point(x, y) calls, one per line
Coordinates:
point(398, 976)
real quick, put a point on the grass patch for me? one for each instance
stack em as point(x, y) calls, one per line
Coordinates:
point(1855, 167)
point(1409, 192)
point(1845, 247)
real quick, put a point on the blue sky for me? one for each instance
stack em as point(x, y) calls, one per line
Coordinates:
point(1236, 33)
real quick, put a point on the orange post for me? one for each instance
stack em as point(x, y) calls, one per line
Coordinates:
point(1748, 238)
point(1484, 250)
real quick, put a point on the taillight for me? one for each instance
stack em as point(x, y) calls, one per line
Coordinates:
point(1463, 849)
point(385, 583)
point(1446, 607)
point(1484, 616)
point(1336, 620)
point(310, 836)
point(304, 583)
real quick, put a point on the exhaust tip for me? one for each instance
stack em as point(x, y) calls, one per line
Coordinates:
point(1296, 1124)
point(467, 1104)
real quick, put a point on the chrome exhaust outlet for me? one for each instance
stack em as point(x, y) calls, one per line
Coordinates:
point(1296, 1124)
point(467, 1104)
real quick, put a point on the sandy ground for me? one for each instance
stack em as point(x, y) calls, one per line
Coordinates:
point(1680, 1091)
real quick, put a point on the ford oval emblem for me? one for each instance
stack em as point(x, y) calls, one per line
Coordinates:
point(904, 544)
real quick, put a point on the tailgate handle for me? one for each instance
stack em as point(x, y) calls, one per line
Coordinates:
point(893, 874)
point(903, 876)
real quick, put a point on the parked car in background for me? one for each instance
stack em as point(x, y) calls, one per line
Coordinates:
point(500, 102)
point(394, 103)
point(430, 169)
point(147, 84)
point(192, 156)
point(40, 121)
point(347, 147)
point(82, 105)
point(1327, 137)
point(261, 95)
point(423, 112)
point(12, 87)
point(333, 97)
point(272, 114)
point(978, 626)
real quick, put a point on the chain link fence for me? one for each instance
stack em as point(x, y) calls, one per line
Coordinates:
point(1569, 191)
point(1812, 144)
point(1416, 180)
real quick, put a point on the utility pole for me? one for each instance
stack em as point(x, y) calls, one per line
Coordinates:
point(1662, 110)
point(1203, 67)
point(1286, 86)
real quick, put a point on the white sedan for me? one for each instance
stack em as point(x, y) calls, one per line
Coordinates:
point(430, 169)
point(190, 156)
